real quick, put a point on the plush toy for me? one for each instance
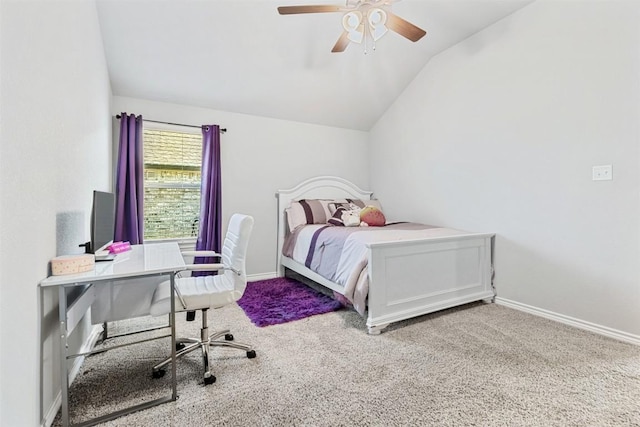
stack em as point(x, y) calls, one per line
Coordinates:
point(372, 216)
point(351, 218)
point(355, 208)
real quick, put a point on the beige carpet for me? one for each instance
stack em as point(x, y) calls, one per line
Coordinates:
point(478, 365)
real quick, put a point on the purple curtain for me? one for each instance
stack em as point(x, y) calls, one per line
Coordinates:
point(210, 221)
point(129, 181)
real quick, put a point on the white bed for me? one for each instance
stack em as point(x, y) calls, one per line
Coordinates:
point(406, 278)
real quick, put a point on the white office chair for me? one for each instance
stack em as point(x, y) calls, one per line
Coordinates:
point(205, 292)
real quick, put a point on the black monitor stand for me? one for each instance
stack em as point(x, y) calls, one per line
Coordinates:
point(87, 247)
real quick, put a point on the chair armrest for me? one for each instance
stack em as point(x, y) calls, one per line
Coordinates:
point(176, 289)
point(204, 267)
point(201, 253)
point(210, 267)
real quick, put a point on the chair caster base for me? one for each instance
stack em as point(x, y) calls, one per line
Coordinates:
point(251, 354)
point(209, 378)
point(158, 374)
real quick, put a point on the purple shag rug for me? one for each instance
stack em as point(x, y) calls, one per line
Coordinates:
point(282, 300)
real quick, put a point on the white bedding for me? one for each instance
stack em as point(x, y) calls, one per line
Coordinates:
point(301, 248)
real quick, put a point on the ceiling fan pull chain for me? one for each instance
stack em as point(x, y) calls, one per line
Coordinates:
point(364, 41)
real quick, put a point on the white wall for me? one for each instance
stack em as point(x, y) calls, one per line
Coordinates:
point(262, 155)
point(55, 149)
point(499, 134)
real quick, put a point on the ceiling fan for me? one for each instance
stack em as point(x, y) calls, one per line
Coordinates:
point(362, 17)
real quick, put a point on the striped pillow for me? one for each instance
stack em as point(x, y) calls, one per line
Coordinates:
point(308, 211)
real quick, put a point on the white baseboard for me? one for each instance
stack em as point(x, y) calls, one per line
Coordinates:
point(53, 411)
point(88, 345)
point(571, 321)
point(262, 276)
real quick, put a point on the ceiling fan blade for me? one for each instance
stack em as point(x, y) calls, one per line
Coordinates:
point(404, 28)
point(291, 10)
point(342, 43)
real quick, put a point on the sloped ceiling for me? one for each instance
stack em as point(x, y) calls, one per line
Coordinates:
point(242, 56)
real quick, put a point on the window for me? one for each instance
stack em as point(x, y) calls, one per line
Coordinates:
point(172, 167)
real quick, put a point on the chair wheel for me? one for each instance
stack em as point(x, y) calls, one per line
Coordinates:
point(158, 374)
point(180, 346)
point(251, 354)
point(209, 378)
point(228, 337)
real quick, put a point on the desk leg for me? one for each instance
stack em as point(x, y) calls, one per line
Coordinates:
point(172, 319)
point(64, 375)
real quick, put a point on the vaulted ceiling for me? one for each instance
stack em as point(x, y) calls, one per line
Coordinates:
point(242, 56)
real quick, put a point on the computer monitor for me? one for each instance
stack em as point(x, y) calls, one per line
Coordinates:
point(103, 219)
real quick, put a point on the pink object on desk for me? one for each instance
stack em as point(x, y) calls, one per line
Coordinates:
point(119, 247)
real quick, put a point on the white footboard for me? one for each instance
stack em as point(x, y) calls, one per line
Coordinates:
point(412, 278)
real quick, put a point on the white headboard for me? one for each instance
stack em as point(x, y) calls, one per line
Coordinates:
point(320, 187)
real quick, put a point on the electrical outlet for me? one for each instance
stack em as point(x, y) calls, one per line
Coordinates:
point(602, 173)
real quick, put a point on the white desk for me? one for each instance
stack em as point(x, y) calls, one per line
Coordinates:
point(156, 259)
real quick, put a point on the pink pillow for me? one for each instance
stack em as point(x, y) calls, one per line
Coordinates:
point(372, 216)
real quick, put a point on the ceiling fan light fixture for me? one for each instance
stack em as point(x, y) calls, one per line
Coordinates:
point(352, 23)
point(377, 18)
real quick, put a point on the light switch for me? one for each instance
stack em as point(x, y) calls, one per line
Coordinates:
point(603, 173)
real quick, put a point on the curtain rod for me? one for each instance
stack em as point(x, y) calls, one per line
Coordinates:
point(222, 130)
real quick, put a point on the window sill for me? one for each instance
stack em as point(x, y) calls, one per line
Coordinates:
point(185, 244)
